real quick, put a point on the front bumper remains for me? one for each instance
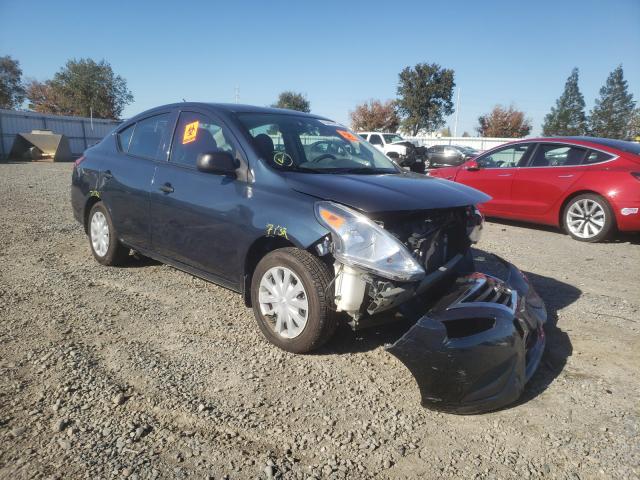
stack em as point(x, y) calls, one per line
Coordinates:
point(477, 347)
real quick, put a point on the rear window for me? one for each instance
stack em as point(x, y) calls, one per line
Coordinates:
point(148, 137)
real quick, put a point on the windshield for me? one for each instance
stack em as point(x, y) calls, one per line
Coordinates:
point(305, 144)
point(392, 137)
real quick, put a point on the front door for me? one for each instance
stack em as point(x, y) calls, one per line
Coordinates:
point(198, 217)
point(494, 176)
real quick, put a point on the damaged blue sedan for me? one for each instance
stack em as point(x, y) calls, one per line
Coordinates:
point(314, 226)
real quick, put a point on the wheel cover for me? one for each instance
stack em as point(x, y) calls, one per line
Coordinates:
point(283, 302)
point(585, 218)
point(99, 234)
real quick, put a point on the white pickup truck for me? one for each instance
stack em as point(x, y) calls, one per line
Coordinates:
point(397, 148)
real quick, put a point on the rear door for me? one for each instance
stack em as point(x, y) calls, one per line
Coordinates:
point(495, 174)
point(543, 181)
point(197, 217)
point(127, 176)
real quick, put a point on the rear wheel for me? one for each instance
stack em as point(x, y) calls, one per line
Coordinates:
point(291, 294)
point(103, 240)
point(588, 218)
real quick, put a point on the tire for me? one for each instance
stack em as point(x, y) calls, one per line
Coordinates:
point(283, 323)
point(588, 218)
point(115, 253)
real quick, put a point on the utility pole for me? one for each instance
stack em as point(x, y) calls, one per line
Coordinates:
point(237, 94)
point(455, 125)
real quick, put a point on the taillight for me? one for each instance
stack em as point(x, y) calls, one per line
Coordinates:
point(79, 160)
point(636, 174)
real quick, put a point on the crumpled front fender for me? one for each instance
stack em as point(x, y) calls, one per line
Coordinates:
point(477, 347)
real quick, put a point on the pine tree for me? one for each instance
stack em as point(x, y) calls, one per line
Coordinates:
point(611, 116)
point(567, 117)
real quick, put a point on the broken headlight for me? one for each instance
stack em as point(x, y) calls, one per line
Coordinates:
point(360, 242)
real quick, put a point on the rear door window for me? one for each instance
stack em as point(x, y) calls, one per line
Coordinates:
point(557, 155)
point(149, 137)
point(375, 140)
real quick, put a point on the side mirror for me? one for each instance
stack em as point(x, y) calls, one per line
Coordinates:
point(472, 166)
point(220, 163)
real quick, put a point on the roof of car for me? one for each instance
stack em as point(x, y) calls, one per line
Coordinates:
point(622, 145)
point(234, 108)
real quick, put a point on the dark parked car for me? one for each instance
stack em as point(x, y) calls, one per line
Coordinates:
point(449, 155)
point(305, 219)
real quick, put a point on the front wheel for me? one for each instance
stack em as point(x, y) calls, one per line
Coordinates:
point(588, 218)
point(292, 294)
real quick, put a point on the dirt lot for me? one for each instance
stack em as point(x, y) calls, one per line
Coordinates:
point(146, 372)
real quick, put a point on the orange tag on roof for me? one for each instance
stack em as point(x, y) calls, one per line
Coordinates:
point(348, 135)
point(190, 132)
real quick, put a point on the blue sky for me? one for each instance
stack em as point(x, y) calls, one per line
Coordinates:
point(338, 53)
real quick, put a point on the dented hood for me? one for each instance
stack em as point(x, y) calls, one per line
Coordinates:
point(386, 192)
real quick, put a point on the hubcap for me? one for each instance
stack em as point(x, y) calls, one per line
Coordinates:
point(585, 218)
point(99, 234)
point(283, 302)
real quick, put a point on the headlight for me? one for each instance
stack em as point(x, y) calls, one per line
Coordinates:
point(359, 242)
point(475, 224)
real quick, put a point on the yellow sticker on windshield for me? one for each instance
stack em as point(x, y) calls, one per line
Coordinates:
point(348, 135)
point(190, 132)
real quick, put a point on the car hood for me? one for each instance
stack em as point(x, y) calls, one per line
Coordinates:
point(387, 192)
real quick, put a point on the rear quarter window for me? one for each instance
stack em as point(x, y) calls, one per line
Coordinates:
point(596, 156)
point(124, 138)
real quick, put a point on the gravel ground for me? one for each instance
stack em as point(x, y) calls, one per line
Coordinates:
point(147, 372)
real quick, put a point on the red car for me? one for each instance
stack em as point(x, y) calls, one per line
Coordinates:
point(588, 186)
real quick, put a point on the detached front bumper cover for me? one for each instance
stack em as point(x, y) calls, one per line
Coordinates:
point(475, 350)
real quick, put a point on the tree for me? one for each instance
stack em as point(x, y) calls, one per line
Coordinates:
point(44, 98)
point(82, 87)
point(375, 116)
point(567, 117)
point(613, 111)
point(466, 134)
point(293, 101)
point(11, 88)
point(445, 132)
point(634, 126)
point(425, 95)
point(504, 122)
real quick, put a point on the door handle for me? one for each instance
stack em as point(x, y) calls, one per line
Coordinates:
point(565, 176)
point(166, 188)
point(107, 174)
point(504, 175)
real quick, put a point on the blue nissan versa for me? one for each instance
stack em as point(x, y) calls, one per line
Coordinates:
point(313, 226)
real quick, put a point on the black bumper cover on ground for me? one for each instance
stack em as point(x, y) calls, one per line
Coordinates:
point(475, 350)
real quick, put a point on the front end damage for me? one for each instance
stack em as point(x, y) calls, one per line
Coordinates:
point(477, 347)
point(477, 336)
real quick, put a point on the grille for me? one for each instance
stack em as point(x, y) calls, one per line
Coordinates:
point(487, 290)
